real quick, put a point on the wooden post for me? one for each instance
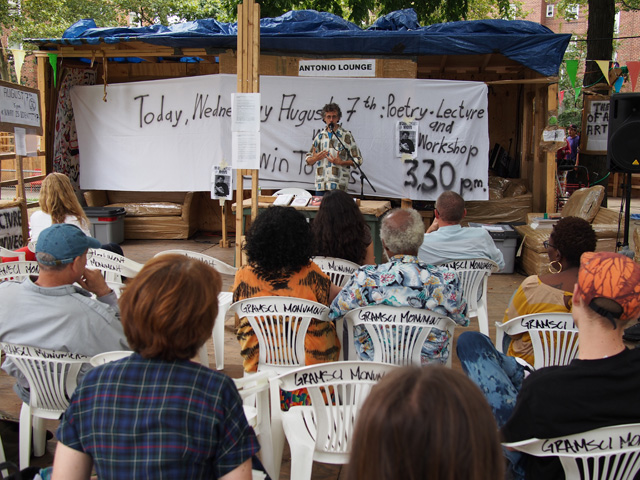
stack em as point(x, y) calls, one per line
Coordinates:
point(550, 187)
point(248, 82)
point(22, 198)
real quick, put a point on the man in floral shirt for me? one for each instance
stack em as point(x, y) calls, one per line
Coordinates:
point(404, 281)
point(329, 152)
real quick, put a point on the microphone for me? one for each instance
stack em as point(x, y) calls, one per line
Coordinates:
point(332, 127)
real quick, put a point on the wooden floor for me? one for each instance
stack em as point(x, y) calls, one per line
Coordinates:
point(501, 287)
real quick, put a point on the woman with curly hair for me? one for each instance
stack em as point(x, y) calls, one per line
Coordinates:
point(279, 246)
point(340, 231)
point(553, 292)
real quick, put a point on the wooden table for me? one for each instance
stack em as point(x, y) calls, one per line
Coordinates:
point(372, 210)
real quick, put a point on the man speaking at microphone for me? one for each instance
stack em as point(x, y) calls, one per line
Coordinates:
point(333, 152)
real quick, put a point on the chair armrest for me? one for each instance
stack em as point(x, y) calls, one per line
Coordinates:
point(186, 206)
point(96, 198)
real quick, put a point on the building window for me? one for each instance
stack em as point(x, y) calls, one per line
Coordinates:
point(616, 24)
point(572, 12)
point(550, 9)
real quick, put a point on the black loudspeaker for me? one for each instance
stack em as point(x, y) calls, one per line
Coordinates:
point(623, 147)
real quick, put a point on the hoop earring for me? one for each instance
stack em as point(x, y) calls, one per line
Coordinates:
point(553, 269)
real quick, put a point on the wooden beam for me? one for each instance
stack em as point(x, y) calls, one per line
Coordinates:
point(485, 63)
point(248, 58)
point(443, 63)
point(525, 81)
point(550, 187)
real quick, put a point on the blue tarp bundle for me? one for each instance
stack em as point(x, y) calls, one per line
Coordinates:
point(321, 33)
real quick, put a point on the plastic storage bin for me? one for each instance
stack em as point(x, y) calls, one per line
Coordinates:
point(506, 240)
point(107, 223)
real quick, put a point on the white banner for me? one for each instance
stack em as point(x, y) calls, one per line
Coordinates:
point(11, 228)
point(167, 134)
point(597, 123)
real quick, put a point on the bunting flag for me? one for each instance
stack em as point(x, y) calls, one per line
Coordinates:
point(18, 61)
point(53, 60)
point(572, 70)
point(604, 68)
point(634, 69)
point(578, 91)
point(561, 96)
point(617, 85)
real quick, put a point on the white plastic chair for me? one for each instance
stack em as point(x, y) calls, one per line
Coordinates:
point(3, 473)
point(554, 336)
point(339, 270)
point(106, 357)
point(280, 324)
point(19, 270)
point(474, 278)
point(607, 453)
point(224, 302)
point(254, 390)
point(322, 432)
point(219, 265)
point(5, 252)
point(298, 192)
point(113, 266)
point(397, 333)
point(52, 377)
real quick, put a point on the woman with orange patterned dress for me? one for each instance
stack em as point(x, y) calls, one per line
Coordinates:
point(279, 246)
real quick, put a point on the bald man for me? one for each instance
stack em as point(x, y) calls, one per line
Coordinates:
point(403, 281)
point(447, 240)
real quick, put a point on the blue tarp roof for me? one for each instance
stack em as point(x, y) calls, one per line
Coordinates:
point(321, 33)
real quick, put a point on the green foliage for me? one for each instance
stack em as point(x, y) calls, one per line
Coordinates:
point(570, 110)
point(50, 18)
point(487, 9)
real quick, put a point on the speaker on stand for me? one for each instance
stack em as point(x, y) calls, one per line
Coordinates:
point(623, 145)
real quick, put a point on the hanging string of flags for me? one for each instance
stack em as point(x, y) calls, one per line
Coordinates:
point(614, 76)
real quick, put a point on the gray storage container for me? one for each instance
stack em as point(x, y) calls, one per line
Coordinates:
point(107, 223)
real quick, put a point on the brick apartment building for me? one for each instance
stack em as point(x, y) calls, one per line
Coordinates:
point(627, 25)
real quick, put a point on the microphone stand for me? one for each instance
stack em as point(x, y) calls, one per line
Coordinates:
point(363, 176)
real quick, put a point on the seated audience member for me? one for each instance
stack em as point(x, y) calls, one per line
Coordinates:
point(52, 312)
point(156, 414)
point(340, 231)
point(569, 239)
point(446, 240)
point(279, 246)
point(595, 390)
point(403, 281)
point(59, 204)
point(428, 423)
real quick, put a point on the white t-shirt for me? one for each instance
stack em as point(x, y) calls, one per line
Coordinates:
point(40, 220)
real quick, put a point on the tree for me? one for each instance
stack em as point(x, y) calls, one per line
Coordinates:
point(362, 12)
point(599, 37)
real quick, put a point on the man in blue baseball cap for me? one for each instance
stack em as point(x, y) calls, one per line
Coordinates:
point(56, 310)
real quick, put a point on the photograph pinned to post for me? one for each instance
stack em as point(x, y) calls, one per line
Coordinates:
point(221, 183)
point(406, 138)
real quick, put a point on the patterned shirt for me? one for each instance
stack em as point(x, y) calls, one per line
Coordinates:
point(328, 175)
point(404, 281)
point(150, 418)
point(321, 343)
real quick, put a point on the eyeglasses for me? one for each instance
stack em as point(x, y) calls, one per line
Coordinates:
point(546, 244)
